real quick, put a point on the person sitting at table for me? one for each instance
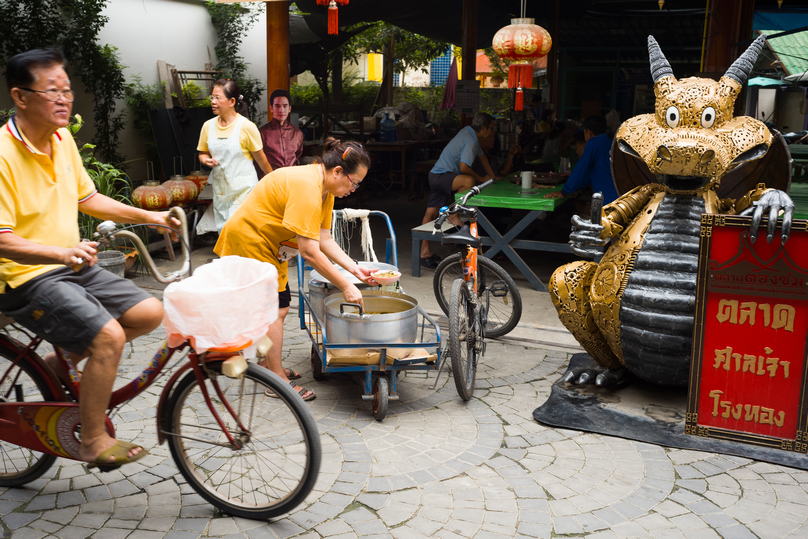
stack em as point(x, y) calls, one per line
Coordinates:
point(579, 142)
point(546, 123)
point(558, 140)
point(594, 166)
point(453, 172)
point(283, 142)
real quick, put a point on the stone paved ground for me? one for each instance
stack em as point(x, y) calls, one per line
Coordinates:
point(435, 467)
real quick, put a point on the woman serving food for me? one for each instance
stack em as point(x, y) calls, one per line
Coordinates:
point(290, 210)
point(228, 144)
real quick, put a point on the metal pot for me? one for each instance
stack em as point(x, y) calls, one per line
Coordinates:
point(345, 324)
point(320, 287)
point(319, 290)
point(506, 140)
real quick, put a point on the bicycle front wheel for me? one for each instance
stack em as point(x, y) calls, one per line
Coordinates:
point(21, 383)
point(504, 300)
point(463, 339)
point(279, 459)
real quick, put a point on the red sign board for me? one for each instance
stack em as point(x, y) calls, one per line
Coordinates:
point(748, 376)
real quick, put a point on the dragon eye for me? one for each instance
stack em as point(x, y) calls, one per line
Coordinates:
point(672, 116)
point(708, 117)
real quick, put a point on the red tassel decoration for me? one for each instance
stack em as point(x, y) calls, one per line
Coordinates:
point(333, 27)
point(520, 99)
point(322, 2)
point(520, 75)
point(342, 2)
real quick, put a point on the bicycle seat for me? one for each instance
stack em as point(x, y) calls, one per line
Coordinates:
point(239, 343)
point(462, 237)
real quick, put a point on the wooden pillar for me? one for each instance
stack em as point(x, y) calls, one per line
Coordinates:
point(553, 100)
point(389, 59)
point(469, 40)
point(277, 48)
point(729, 31)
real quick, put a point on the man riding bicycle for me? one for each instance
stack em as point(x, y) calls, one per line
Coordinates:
point(48, 279)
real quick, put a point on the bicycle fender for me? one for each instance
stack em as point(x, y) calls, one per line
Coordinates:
point(164, 396)
point(16, 347)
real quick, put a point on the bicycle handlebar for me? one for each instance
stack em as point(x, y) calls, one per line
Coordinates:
point(107, 230)
point(455, 207)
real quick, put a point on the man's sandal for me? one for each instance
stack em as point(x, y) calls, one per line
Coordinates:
point(292, 374)
point(120, 452)
point(311, 395)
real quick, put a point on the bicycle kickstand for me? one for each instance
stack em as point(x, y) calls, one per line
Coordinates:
point(444, 355)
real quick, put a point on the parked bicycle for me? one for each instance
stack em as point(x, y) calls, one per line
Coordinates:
point(503, 298)
point(481, 303)
point(250, 455)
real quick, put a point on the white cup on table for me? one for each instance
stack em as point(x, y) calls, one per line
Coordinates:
point(527, 179)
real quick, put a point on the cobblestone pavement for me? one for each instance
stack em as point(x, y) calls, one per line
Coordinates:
point(435, 467)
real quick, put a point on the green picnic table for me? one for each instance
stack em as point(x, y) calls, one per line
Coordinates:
point(505, 194)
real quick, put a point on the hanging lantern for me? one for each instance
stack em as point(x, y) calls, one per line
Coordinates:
point(333, 18)
point(182, 190)
point(661, 3)
point(152, 196)
point(521, 42)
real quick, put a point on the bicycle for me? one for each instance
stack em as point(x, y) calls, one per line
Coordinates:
point(247, 454)
point(470, 299)
point(503, 297)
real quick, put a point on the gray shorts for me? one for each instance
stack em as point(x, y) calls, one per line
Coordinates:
point(69, 308)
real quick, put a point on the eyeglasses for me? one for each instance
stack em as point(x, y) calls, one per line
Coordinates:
point(217, 98)
point(354, 184)
point(53, 94)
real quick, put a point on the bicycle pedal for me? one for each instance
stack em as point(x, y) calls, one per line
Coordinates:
point(499, 289)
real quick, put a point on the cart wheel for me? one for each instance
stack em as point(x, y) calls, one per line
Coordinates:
point(381, 393)
point(316, 365)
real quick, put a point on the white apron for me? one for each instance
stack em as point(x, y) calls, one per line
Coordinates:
point(231, 180)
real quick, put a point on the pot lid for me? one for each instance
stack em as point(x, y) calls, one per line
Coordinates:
point(315, 275)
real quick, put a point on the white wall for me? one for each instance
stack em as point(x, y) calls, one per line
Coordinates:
point(177, 31)
point(144, 31)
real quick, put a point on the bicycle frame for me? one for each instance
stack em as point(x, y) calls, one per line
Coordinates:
point(51, 427)
point(469, 260)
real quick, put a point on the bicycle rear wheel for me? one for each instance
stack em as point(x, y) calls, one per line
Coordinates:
point(463, 340)
point(19, 465)
point(505, 302)
point(279, 461)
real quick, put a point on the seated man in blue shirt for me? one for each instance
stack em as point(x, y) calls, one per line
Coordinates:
point(594, 167)
point(453, 172)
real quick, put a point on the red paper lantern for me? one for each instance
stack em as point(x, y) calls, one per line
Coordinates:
point(152, 196)
point(182, 190)
point(521, 42)
point(199, 178)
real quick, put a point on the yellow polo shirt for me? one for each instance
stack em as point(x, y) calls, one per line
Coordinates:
point(39, 197)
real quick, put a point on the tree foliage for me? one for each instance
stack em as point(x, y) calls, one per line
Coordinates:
point(412, 51)
point(72, 25)
point(232, 22)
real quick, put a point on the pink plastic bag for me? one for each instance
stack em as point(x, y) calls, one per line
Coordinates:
point(230, 299)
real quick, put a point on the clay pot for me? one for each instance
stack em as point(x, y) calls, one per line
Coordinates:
point(152, 196)
point(199, 177)
point(182, 190)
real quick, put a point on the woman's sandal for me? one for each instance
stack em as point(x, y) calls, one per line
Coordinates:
point(311, 395)
point(120, 452)
point(292, 374)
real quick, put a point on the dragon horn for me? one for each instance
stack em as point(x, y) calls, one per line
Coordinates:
point(659, 64)
point(740, 69)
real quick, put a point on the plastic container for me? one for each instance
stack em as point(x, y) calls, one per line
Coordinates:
point(387, 129)
point(113, 261)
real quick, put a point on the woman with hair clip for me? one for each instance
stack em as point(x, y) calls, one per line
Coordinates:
point(290, 210)
point(228, 144)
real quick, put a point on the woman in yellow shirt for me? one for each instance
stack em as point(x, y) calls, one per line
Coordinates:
point(290, 209)
point(228, 144)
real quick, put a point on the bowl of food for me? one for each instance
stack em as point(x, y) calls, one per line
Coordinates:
point(385, 277)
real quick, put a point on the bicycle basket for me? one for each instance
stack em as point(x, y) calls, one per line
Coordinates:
point(229, 299)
